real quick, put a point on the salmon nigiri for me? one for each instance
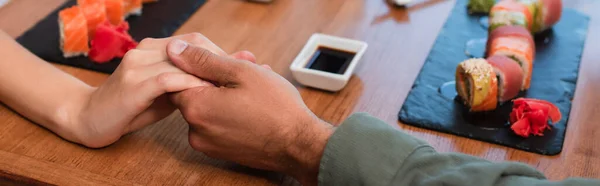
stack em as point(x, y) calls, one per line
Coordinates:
point(95, 13)
point(73, 32)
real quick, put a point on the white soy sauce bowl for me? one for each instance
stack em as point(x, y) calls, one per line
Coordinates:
point(310, 70)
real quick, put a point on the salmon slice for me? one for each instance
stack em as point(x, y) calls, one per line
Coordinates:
point(510, 76)
point(73, 32)
point(115, 10)
point(133, 7)
point(95, 14)
point(520, 50)
point(551, 11)
point(516, 31)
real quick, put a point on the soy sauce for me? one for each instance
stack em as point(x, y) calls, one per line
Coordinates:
point(330, 60)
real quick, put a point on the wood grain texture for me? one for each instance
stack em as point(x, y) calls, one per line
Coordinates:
point(399, 39)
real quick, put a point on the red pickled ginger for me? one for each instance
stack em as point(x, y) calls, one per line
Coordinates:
point(531, 116)
point(110, 42)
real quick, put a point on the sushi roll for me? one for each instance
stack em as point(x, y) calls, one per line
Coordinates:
point(510, 12)
point(534, 8)
point(94, 12)
point(73, 32)
point(115, 10)
point(512, 31)
point(516, 43)
point(550, 12)
point(477, 85)
point(132, 7)
point(546, 13)
point(509, 75)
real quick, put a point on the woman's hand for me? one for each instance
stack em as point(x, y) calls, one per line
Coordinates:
point(96, 117)
point(134, 95)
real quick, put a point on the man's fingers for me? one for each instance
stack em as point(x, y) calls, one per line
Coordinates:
point(196, 102)
point(204, 63)
point(244, 55)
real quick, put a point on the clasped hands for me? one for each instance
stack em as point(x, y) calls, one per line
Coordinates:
point(236, 110)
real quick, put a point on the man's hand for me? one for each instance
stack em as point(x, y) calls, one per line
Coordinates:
point(251, 116)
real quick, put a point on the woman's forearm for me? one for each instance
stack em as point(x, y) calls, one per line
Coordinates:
point(38, 90)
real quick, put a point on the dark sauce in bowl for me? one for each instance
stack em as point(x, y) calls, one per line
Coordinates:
point(330, 60)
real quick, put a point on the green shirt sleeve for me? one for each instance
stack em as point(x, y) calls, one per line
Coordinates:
point(367, 151)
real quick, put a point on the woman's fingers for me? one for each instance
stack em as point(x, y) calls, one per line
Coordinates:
point(152, 88)
point(244, 55)
point(159, 109)
point(267, 67)
point(195, 39)
point(137, 58)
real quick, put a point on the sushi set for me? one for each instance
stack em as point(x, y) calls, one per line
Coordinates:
point(520, 95)
point(95, 34)
point(482, 84)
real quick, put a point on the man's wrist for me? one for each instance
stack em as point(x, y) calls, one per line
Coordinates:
point(307, 149)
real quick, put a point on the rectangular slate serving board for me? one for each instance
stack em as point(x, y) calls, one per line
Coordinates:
point(158, 20)
point(554, 78)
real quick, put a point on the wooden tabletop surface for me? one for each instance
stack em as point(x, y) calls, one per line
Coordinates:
point(399, 40)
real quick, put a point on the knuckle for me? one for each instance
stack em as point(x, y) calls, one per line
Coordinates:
point(131, 57)
point(145, 42)
point(196, 142)
point(129, 75)
point(192, 115)
point(196, 38)
point(162, 80)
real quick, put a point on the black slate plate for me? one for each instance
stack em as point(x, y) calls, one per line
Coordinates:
point(554, 79)
point(160, 19)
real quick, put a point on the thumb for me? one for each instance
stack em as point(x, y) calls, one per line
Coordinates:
point(203, 63)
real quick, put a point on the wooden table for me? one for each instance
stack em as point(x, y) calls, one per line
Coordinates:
point(399, 41)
